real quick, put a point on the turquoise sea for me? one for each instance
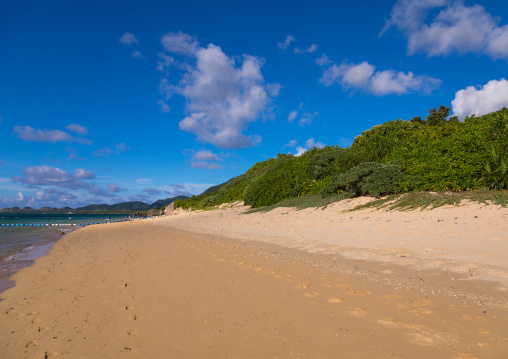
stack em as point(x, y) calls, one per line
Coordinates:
point(23, 238)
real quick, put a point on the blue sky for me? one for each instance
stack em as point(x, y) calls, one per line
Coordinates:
point(105, 102)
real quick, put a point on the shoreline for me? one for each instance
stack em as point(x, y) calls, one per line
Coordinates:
point(230, 285)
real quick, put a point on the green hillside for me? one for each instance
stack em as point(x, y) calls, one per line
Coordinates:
point(434, 154)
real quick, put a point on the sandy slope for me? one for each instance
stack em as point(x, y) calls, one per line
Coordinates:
point(281, 284)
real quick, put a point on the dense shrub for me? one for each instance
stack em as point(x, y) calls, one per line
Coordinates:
point(436, 154)
point(368, 178)
point(277, 182)
point(331, 161)
point(375, 144)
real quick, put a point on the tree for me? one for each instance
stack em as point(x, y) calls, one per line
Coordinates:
point(438, 117)
point(419, 120)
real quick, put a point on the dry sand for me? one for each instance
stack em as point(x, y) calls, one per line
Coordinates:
point(282, 284)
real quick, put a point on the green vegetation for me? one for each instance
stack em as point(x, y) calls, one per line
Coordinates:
point(439, 154)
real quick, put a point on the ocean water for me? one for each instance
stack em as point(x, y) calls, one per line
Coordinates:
point(23, 238)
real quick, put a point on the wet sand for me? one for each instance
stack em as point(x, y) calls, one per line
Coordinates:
point(287, 284)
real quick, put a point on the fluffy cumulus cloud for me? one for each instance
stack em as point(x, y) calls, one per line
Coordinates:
point(481, 100)
point(53, 197)
point(223, 95)
point(128, 39)
point(52, 176)
point(28, 133)
point(456, 28)
point(364, 77)
point(55, 187)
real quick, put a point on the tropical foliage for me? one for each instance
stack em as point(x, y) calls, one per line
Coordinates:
point(439, 154)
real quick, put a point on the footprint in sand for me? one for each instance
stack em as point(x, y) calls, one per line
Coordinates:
point(420, 339)
point(358, 311)
point(129, 307)
point(335, 300)
point(312, 294)
point(136, 317)
point(32, 313)
point(50, 354)
point(31, 344)
point(464, 356)
point(43, 329)
point(11, 312)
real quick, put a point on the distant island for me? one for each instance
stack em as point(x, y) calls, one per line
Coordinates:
point(125, 207)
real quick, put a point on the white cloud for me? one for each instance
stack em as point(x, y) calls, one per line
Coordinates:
point(481, 100)
point(73, 127)
point(312, 48)
point(292, 115)
point(363, 76)
point(222, 98)
point(323, 60)
point(164, 106)
point(52, 176)
point(180, 43)
point(21, 196)
point(300, 151)
point(128, 39)
point(285, 44)
point(205, 155)
point(137, 54)
point(28, 133)
point(311, 143)
point(307, 118)
point(455, 29)
point(291, 143)
point(165, 63)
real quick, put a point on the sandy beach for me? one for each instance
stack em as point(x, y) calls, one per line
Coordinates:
point(316, 283)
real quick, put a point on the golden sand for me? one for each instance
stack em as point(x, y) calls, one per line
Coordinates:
point(286, 284)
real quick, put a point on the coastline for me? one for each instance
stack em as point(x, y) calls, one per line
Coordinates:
point(220, 283)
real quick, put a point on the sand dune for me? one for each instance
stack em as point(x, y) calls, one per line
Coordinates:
point(287, 284)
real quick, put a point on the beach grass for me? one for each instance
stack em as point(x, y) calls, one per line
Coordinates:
point(430, 200)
